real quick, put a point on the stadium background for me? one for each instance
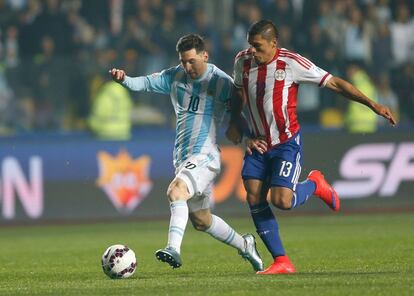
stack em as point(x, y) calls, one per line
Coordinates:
point(54, 58)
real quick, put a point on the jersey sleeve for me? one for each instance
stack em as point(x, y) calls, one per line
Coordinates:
point(158, 82)
point(304, 71)
point(238, 72)
point(226, 92)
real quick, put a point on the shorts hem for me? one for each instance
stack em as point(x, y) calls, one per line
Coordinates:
point(189, 182)
point(247, 177)
point(283, 184)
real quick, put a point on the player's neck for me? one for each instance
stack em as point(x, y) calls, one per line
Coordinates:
point(272, 56)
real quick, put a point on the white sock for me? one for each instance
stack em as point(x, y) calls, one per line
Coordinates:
point(178, 222)
point(220, 230)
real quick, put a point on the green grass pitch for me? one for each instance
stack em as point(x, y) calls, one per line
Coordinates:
point(334, 255)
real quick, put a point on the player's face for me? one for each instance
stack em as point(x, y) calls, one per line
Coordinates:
point(262, 49)
point(194, 64)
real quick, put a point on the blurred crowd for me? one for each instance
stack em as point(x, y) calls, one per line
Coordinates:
point(55, 54)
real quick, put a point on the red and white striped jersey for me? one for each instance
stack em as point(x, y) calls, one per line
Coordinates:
point(271, 91)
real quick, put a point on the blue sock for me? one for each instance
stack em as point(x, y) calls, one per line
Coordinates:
point(267, 228)
point(303, 191)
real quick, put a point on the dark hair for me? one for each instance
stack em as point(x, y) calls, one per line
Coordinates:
point(265, 28)
point(189, 42)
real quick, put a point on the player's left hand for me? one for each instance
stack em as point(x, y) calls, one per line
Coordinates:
point(257, 144)
point(118, 75)
point(385, 112)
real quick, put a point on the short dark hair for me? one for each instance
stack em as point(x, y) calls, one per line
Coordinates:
point(189, 42)
point(265, 28)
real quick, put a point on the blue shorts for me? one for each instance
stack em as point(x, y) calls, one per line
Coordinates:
point(279, 166)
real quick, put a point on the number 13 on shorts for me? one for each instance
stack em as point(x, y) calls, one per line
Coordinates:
point(285, 168)
point(286, 172)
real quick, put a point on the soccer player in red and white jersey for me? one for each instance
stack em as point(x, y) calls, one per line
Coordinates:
point(267, 79)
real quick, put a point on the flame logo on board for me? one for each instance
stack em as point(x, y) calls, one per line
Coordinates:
point(125, 180)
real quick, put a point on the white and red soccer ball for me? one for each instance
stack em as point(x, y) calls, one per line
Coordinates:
point(119, 262)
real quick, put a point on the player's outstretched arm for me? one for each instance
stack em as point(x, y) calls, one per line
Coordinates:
point(351, 92)
point(118, 75)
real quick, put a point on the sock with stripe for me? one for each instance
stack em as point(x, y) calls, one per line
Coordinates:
point(303, 191)
point(221, 231)
point(267, 228)
point(178, 222)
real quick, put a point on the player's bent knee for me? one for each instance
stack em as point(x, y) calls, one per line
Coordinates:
point(253, 199)
point(282, 202)
point(281, 198)
point(175, 195)
point(255, 195)
point(177, 191)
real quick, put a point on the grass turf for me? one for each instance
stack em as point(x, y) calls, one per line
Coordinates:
point(334, 255)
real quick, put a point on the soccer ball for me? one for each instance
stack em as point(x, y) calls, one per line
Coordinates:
point(119, 262)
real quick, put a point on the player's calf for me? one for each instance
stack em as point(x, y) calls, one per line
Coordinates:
point(201, 220)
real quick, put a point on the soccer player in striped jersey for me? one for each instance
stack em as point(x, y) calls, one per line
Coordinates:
point(200, 93)
point(267, 79)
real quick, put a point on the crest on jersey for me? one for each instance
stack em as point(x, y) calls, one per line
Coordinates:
point(280, 74)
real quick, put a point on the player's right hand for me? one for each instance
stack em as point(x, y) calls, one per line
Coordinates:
point(234, 134)
point(385, 112)
point(118, 75)
point(257, 144)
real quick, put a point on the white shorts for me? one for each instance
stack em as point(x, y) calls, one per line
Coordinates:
point(199, 172)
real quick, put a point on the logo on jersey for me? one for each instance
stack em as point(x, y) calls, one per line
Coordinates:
point(125, 180)
point(280, 74)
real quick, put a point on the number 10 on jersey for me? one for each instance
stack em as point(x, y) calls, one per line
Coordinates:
point(193, 105)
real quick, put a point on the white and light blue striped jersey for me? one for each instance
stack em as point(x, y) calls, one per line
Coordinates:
point(199, 105)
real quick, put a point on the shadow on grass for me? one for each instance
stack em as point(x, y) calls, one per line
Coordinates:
point(246, 274)
point(341, 273)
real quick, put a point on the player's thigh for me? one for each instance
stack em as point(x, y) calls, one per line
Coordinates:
point(200, 202)
point(255, 166)
point(255, 177)
point(198, 174)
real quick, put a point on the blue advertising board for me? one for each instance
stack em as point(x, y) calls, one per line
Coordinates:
point(76, 177)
